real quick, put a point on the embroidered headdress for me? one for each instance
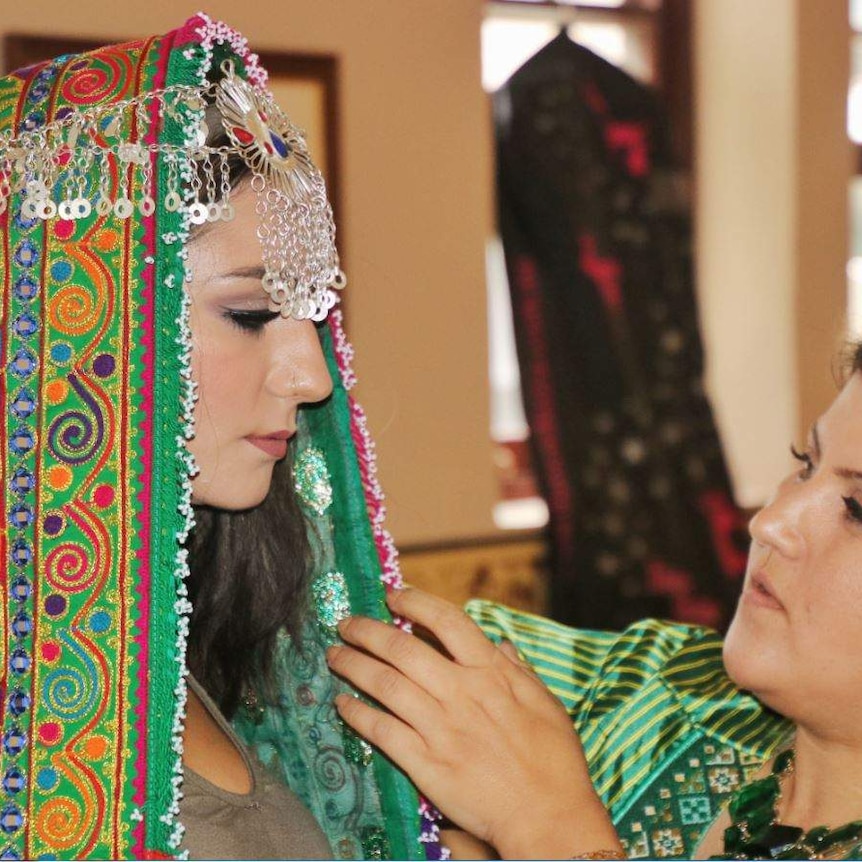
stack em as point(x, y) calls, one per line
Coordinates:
point(104, 168)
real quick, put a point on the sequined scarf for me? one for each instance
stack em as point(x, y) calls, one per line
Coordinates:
point(96, 508)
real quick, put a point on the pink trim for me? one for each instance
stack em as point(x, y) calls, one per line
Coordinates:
point(374, 497)
point(147, 312)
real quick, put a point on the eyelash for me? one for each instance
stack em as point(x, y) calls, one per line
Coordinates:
point(805, 459)
point(250, 321)
point(853, 508)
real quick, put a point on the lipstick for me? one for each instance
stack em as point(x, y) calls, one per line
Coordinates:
point(274, 445)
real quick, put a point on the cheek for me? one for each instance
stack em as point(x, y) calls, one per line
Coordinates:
point(220, 368)
point(222, 393)
point(832, 599)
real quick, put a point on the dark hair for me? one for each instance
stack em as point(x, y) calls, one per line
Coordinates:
point(249, 570)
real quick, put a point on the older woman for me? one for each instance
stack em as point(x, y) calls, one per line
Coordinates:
point(673, 724)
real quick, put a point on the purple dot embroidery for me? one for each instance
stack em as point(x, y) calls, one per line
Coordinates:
point(103, 366)
point(55, 605)
point(53, 524)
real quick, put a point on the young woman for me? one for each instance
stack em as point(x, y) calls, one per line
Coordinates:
point(687, 752)
point(176, 426)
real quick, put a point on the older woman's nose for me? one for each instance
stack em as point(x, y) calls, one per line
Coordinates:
point(299, 370)
point(776, 525)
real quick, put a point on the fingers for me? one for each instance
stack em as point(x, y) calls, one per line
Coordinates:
point(511, 652)
point(458, 634)
point(387, 685)
point(415, 658)
point(394, 738)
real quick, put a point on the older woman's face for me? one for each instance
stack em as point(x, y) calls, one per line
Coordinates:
point(253, 367)
point(796, 639)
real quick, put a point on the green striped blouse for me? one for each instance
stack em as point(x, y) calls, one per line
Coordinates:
point(667, 735)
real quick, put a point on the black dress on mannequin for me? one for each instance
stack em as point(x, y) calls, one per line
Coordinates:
point(597, 237)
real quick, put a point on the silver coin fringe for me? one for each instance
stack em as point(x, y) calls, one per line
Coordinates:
point(99, 161)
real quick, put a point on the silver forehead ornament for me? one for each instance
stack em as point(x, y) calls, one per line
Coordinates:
point(295, 228)
point(97, 163)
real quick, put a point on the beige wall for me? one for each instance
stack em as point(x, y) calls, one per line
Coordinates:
point(772, 163)
point(415, 157)
point(772, 171)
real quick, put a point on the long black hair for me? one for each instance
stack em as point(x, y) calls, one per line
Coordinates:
point(249, 569)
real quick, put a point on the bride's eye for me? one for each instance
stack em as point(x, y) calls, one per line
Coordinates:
point(250, 321)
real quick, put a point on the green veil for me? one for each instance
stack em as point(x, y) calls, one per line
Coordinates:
point(97, 401)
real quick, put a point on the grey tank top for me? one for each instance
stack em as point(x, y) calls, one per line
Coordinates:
point(270, 822)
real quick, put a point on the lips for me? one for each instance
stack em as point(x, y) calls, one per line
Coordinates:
point(761, 593)
point(274, 444)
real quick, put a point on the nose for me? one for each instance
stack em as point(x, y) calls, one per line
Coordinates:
point(298, 369)
point(777, 525)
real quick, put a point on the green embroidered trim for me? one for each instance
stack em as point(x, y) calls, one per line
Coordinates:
point(168, 483)
point(331, 598)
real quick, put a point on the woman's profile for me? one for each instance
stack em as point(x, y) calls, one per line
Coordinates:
point(186, 482)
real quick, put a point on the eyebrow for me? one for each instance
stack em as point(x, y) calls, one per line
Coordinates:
point(257, 272)
point(841, 472)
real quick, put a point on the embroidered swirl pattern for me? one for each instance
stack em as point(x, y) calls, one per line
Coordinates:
point(76, 436)
point(102, 77)
point(58, 822)
point(75, 309)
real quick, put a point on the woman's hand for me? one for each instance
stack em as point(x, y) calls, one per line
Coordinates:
point(479, 734)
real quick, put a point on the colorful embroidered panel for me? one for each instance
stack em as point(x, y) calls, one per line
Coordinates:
point(76, 485)
point(94, 345)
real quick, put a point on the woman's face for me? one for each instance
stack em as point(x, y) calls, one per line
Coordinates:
point(796, 638)
point(253, 367)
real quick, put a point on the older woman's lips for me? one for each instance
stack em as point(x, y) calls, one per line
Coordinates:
point(275, 445)
point(759, 592)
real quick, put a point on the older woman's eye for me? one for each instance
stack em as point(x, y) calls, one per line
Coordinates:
point(853, 509)
point(250, 321)
point(805, 459)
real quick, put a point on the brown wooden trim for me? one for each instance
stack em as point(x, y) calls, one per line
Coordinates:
point(515, 537)
point(21, 50)
point(675, 77)
point(631, 8)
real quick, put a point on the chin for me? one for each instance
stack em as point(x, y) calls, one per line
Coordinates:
point(753, 661)
point(229, 496)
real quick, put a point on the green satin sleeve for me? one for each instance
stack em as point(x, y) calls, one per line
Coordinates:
point(667, 735)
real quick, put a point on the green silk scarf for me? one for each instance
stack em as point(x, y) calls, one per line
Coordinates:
point(97, 402)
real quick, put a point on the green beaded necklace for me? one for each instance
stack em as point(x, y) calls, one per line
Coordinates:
point(757, 833)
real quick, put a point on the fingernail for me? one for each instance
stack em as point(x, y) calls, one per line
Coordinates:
point(332, 653)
